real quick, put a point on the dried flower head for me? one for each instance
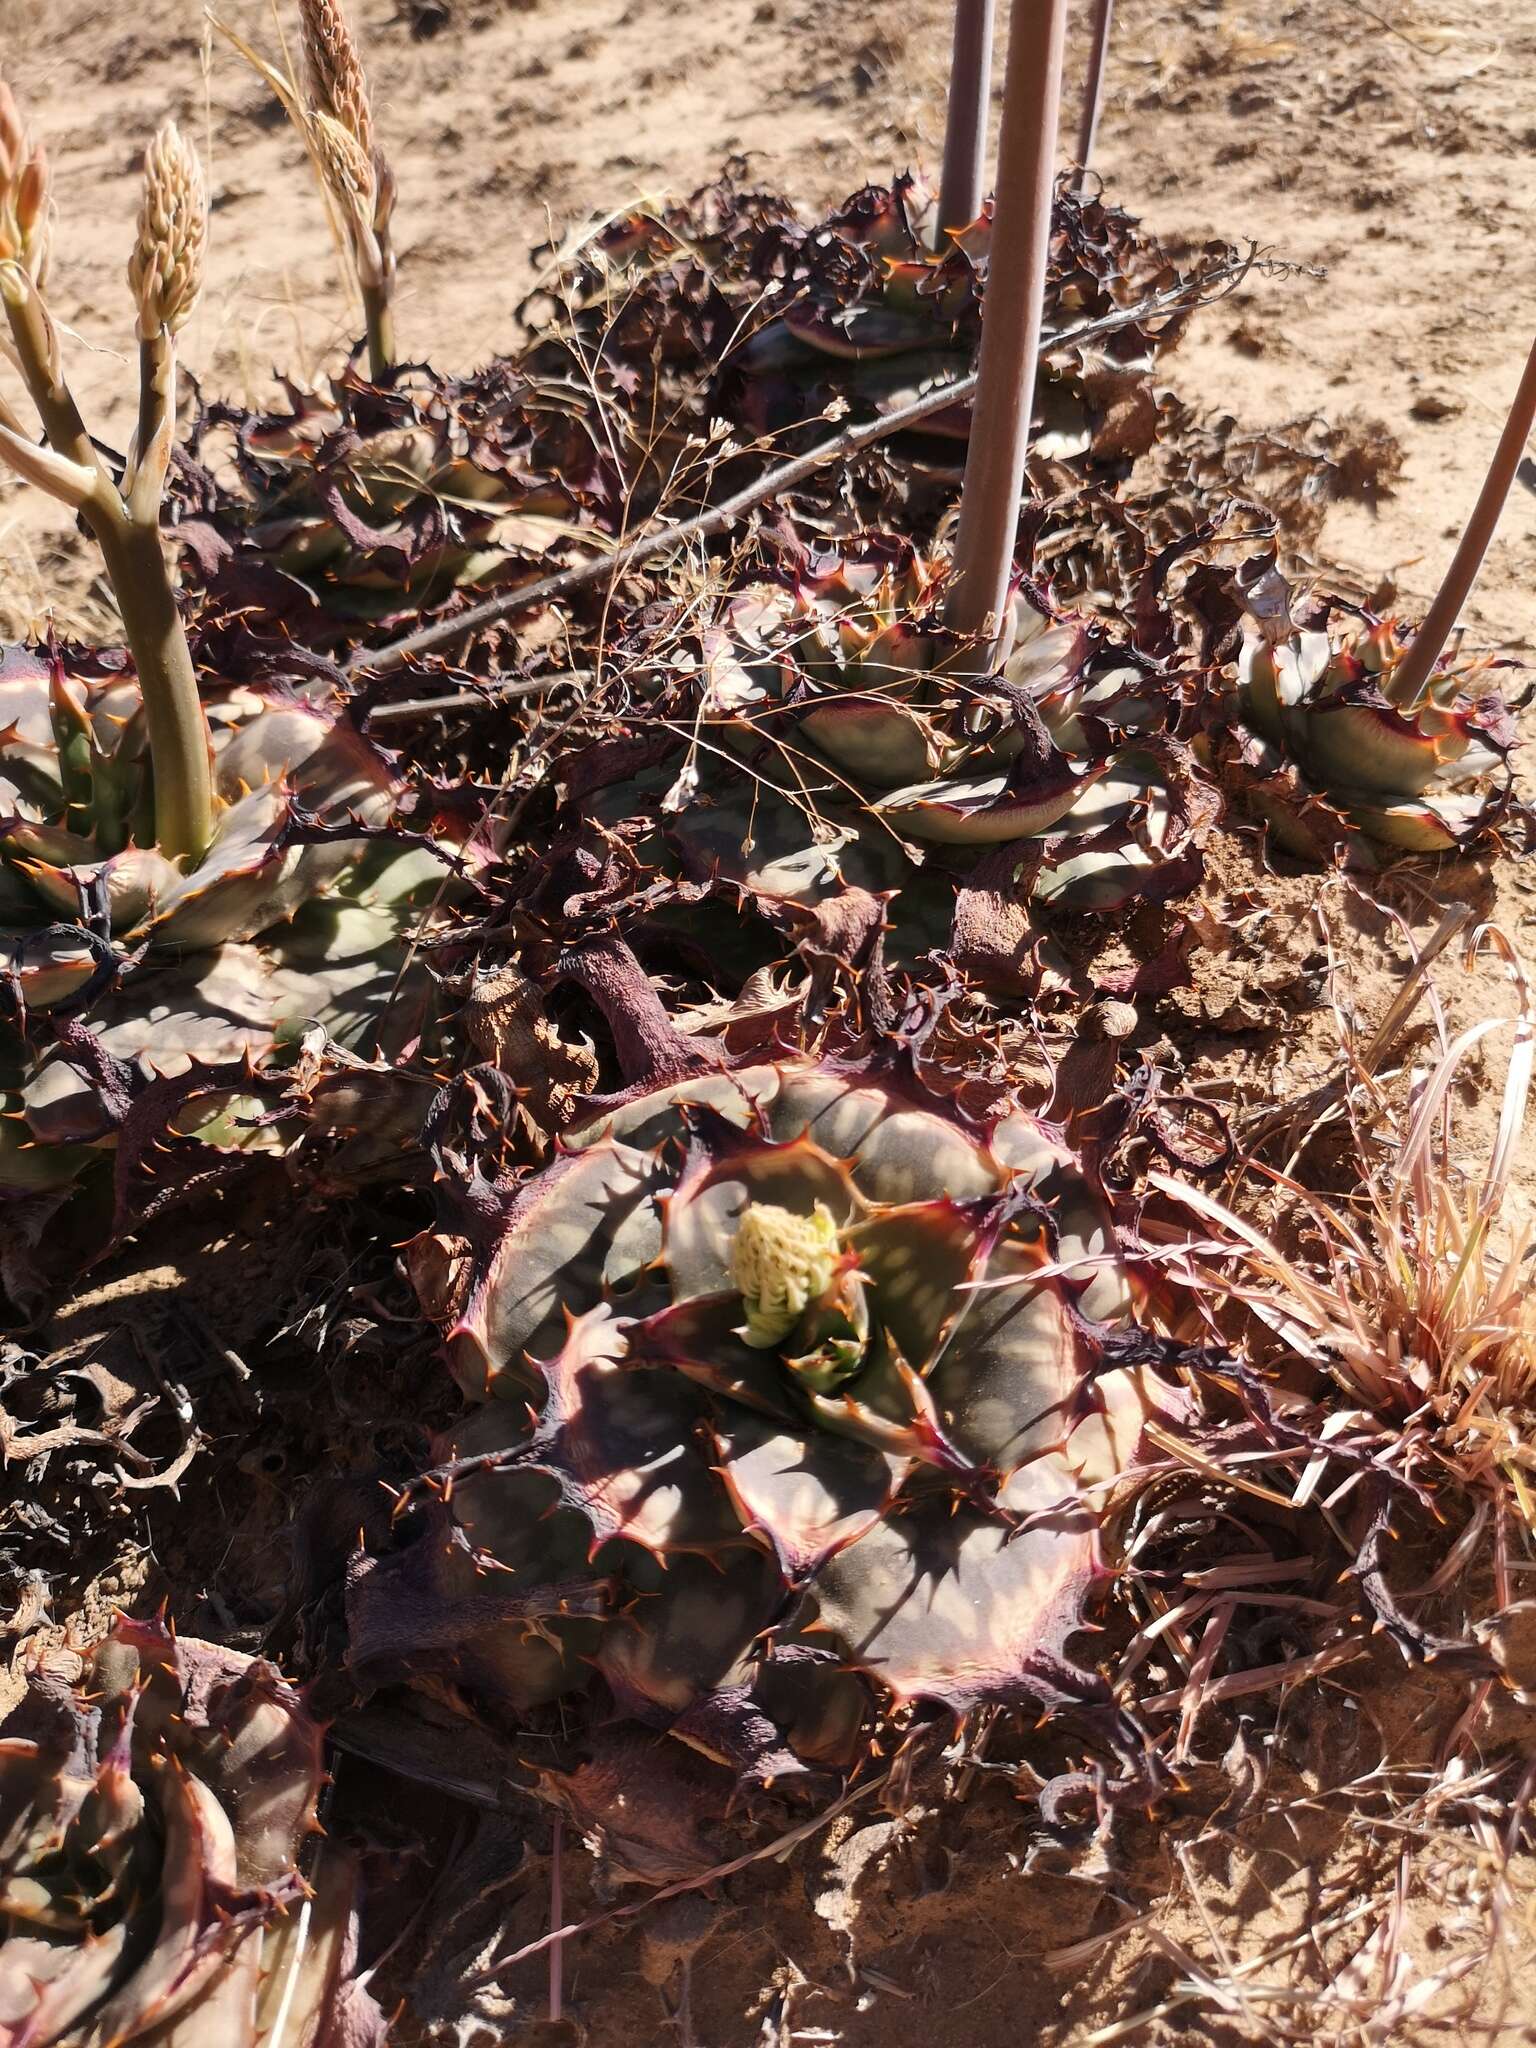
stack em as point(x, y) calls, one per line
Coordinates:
point(165, 271)
point(333, 71)
point(25, 215)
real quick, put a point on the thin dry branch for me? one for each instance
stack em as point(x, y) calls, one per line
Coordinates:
point(1217, 282)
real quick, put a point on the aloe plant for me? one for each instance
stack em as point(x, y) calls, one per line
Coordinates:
point(792, 1393)
point(154, 1879)
point(833, 749)
point(873, 306)
point(1362, 740)
point(295, 918)
point(187, 880)
point(359, 507)
point(1338, 752)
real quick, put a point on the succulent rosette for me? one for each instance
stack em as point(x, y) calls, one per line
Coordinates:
point(794, 1392)
point(1330, 753)
point(873, 316)
point(154, 1818)
point(382, 502)
point(840, 736)
point(293, 916)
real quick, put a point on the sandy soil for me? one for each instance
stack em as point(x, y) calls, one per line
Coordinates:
point(1389, 152)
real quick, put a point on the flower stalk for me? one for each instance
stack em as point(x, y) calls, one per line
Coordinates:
point(965, 131)
point(1417, 665)
point(1010, 334)
point(1093, 88)
point(364, 187)
point(123, 514)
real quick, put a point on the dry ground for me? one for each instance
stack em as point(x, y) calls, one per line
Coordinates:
point(1390, 151)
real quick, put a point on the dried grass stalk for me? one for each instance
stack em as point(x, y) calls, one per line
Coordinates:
point(1416, 1297)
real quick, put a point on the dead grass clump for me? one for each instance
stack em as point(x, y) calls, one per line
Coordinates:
point(1414, 1296)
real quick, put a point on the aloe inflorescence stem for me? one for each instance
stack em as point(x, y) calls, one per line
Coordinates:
point(1093, 87)
point(1010, 334)
point(965, 131)
point(1416, 666)
point(165, 277)
point(355, 170)
point(333, 113)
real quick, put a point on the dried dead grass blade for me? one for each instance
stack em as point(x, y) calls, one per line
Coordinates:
point(1190, 1454)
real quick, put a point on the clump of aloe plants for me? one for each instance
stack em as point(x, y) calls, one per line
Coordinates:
point(387, 496)
point(1369, 741)
point(832, 733)
point(157, 1880)
point(186, 876)
point(1334, 745)
point(794, 1390)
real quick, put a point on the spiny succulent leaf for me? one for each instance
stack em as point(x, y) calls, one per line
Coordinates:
point(590, 1219)
point(699, 1336)
point(806, 1494)
point(954, 1607)
point(689, 1628)
point(165, 1814)
point(918, 1257)
point(618, 1445)
point(988, 810)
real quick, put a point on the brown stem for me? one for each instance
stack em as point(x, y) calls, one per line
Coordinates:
point(965, 129)
point(1416, 666)
point(1011, 319)
point(1093, 89)
point(651, 1050)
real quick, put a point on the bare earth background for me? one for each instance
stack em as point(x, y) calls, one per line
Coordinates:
point(1392, 151)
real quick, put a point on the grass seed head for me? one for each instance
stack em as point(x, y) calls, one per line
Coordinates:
point(25, 210)
point(165, 271)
